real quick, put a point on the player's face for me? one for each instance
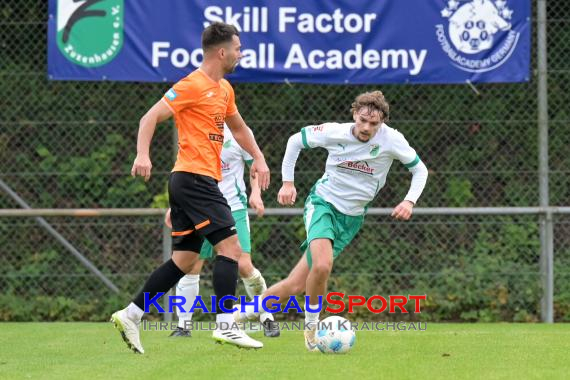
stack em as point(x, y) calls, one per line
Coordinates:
point(232, 55)
point(367, 122)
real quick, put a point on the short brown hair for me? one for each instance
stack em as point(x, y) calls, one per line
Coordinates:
point(218, 33)
point(374, 101)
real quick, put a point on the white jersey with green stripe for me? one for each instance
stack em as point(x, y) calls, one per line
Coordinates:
point(234, 158)
point(356, 171)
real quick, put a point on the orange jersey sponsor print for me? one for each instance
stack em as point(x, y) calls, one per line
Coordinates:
point(200, 106)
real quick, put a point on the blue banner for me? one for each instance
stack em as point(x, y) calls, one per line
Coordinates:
point(334, 41)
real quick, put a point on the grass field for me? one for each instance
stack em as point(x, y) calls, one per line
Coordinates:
point(443, 351)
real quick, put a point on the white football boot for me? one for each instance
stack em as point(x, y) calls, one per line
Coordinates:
point(129, 330)
point(236, 337)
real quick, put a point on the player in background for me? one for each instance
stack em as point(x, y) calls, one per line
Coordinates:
point(360, 154)
point(234, 160)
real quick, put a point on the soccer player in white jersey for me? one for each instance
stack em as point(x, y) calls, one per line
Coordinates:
point(360, 154)
point(234, 159)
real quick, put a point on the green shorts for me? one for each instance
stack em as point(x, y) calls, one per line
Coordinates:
point(322, 220)
point(242, 227)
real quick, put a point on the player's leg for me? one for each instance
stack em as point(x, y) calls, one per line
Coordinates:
point(225, 283)
point(292, 285)
point(189, 288)
point(213, 220)
point(252, 279)
point(322, 262)
point(321, 251)
point(185, 244)
point(127, 320)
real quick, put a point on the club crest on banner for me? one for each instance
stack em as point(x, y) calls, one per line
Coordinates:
point(478, 35)
point(90, 32)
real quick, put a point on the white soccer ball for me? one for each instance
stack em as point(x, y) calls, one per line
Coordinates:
point(335, 335)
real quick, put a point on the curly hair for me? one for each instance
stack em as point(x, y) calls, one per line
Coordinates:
point(373, 101)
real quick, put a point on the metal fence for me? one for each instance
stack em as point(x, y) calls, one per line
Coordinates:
point(71, 144)
point(473, 264)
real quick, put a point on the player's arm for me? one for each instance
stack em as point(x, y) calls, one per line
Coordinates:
point(167, 219)
point(156, 114)
point(312, 136)
point(288, 194)
point(414, 164)
point(255, 200)
point(245, 139)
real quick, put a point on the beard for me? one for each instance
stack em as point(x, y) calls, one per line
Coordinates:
point(230, 69)
point(362, 137)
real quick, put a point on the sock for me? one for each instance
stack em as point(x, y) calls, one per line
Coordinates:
point(224, 321)
point(134, 312)
point(254, 284)
point(188, 287)
point(225, 276)
point(161, 280)
point(264, 315)
point(312, 318)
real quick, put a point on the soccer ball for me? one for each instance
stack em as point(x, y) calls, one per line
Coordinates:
point(335, 336)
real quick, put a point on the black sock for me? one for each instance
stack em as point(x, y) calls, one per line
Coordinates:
point(161, 280)
point(225, 277)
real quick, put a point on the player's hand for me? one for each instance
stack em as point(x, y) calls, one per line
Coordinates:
point(287, 194)
point(256, 203)
point(403, 211)
point(142, 166)
point(260, 171)
point(167, 219)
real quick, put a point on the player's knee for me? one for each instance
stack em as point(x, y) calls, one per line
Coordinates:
point(226, 243)
point(294, 286)
point(322, 267)
point(245, 266)
point(185, 260)
point(297, 288)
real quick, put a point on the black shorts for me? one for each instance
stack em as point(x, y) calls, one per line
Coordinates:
point(198, 210)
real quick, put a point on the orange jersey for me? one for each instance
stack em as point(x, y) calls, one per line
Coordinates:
point(200, 106)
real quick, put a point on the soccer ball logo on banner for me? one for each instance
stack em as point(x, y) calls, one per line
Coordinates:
point(479, 35)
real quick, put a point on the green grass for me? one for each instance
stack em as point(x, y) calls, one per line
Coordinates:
point(443, 351)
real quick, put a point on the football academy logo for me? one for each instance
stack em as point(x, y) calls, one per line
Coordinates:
point(479, 36)
point(90, 32)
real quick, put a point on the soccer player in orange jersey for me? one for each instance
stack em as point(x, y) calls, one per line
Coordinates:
point(200, 104)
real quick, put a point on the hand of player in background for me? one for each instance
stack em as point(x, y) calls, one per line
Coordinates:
point(403, 211)
point(142, 166)
point(287, 194)
point(167, 219)
point(256, 203)
point(260, 170)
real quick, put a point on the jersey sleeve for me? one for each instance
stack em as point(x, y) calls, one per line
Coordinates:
point(314, 136)
point(232, 107)
point(403, 152)
point(182, 95)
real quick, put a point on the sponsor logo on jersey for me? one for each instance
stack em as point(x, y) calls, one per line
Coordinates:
point(357, 167)
point(219, 121)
